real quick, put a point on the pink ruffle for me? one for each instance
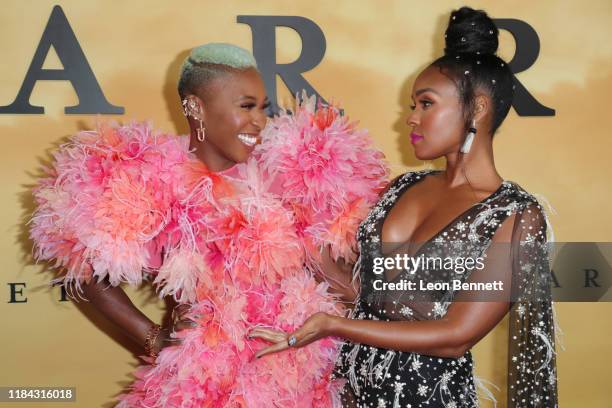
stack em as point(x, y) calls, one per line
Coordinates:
point(107, 199)
point(327, 171)
point(215, 365)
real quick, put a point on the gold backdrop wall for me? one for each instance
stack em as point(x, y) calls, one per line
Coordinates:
point(374, 51)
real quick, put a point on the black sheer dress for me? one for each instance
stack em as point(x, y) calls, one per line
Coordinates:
point(380, 378)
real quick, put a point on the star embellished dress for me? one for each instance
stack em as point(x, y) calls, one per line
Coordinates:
point(378, 378)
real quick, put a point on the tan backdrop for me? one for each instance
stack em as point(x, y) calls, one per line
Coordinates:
point(374, 51)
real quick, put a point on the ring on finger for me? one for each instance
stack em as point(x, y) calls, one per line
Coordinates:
point(291, 341)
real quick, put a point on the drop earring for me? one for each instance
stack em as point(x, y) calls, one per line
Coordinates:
point(201, 132)
point(467, 145)
point(190, 108)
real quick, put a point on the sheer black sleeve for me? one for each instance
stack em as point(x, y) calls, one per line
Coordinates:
point(532, 379)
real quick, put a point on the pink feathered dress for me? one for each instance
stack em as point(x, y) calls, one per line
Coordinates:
point(241, 247)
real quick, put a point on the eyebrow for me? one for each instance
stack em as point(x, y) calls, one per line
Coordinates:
point(249, 97)
point(423, 90)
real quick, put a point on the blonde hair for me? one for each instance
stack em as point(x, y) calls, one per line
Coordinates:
point(208, 61)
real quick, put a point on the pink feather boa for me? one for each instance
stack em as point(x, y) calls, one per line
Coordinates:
point(123, 199)
point(326, 170)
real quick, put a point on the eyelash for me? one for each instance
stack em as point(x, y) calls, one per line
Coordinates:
point(252, 105)
point(422, 102)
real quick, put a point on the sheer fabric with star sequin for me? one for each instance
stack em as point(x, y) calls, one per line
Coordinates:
point(381, 378)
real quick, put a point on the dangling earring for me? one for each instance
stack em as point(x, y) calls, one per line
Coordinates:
point(201, 132)
point(467, 145)
point(190, 108)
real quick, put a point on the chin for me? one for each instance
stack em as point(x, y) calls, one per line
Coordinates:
point(238, 152)
point(423, 155)
point(243, 155)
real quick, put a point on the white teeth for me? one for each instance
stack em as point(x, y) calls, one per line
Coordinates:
point(247, 139)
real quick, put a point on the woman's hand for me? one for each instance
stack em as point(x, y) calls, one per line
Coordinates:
point(317, 326)
point(179, 322)
point(179, 318)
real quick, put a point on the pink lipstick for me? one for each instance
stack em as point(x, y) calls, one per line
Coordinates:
point(415, 138)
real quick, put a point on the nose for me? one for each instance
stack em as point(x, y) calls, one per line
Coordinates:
point(259, 119)
point(413, 119)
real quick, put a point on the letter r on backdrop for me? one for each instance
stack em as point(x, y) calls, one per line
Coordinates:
point(264, 50)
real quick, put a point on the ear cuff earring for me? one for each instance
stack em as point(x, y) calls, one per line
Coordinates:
point(190, 108)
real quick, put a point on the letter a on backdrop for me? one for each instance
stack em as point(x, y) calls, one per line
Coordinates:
point(59, 34)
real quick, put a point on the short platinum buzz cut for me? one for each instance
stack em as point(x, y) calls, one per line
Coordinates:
point(209, 61)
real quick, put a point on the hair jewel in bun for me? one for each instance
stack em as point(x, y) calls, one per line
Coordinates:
point(471, 31)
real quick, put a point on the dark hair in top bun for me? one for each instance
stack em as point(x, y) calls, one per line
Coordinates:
point(470, 31)
point(470, 61)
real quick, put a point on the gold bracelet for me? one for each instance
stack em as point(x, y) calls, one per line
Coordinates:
point(150, 340)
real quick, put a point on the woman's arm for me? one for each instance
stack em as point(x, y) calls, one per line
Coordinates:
point(117, 307)
point(464, 324)
point(462, 327)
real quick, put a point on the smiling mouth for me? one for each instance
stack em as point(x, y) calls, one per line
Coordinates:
point(247, 139)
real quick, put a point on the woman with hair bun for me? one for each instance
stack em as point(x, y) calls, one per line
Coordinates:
point(410, 347)
point(226, 222)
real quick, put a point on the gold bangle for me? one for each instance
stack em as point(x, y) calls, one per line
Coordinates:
point(150, 340)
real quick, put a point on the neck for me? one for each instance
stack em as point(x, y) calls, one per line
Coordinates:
point(208, 154)
point(476, 167)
